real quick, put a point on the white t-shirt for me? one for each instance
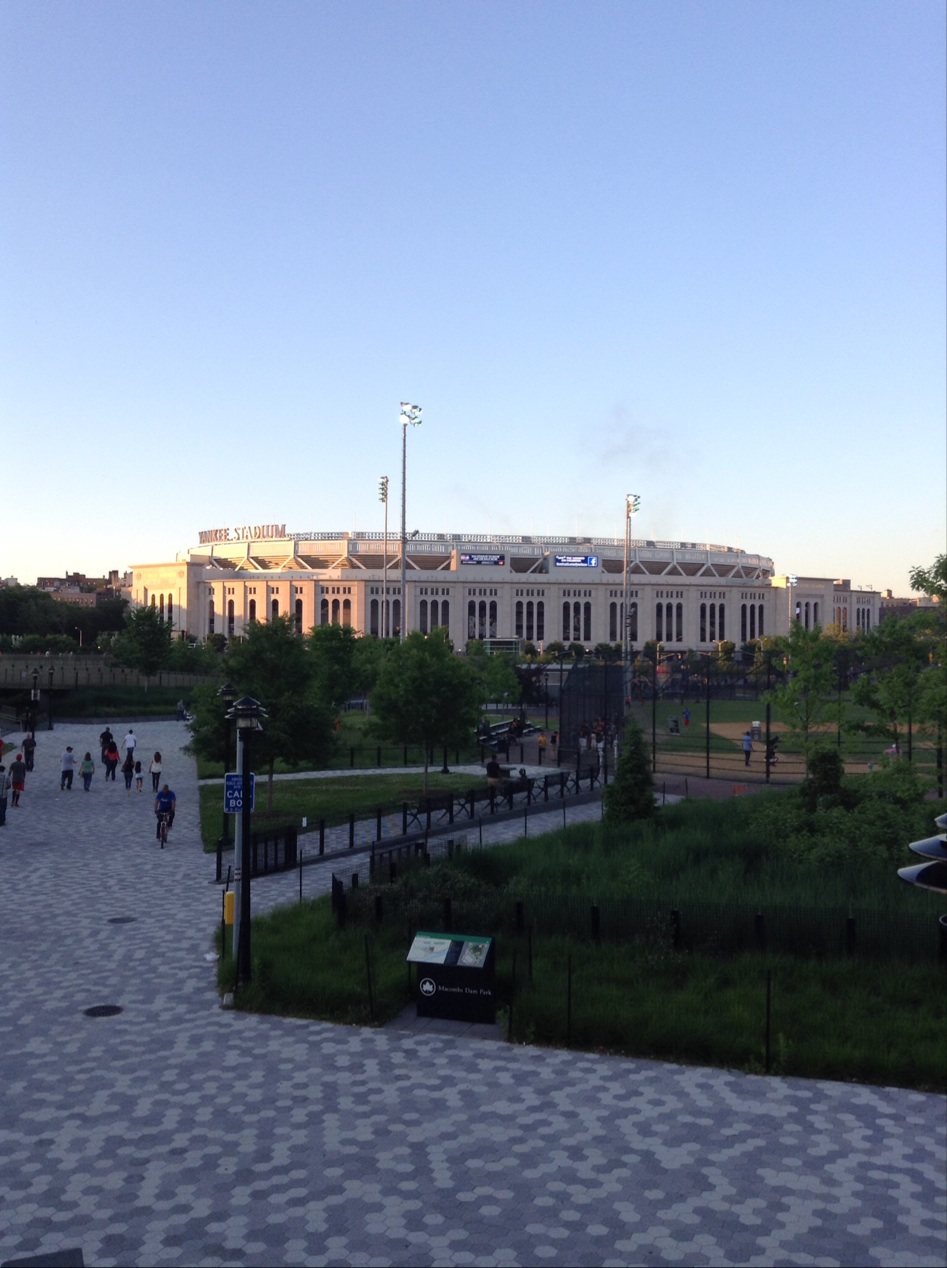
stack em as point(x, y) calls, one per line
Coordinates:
point(130, 742)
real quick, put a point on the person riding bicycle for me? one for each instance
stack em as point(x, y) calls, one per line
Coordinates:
point(165, 804)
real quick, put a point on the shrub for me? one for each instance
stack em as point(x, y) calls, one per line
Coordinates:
point(630, 795)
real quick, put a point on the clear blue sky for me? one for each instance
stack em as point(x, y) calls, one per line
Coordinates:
point(694, 251)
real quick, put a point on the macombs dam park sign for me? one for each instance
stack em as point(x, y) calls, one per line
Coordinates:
point(456, 976)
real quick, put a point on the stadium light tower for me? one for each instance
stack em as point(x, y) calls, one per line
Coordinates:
point(632, 504)
point(409, 414)
point(383, 628)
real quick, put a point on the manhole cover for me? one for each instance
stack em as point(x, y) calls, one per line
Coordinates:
point(122, 920)
point(102, 1010)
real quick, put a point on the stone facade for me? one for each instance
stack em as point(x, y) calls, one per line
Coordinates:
point(540, 589)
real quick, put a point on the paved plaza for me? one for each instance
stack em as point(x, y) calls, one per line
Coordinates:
point(177, 1133)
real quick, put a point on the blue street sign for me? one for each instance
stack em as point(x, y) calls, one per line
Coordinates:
point(233, 793)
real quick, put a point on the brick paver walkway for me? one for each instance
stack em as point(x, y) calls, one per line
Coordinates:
point(176, 1133)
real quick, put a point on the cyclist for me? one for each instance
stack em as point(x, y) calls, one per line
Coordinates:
point(165, 803)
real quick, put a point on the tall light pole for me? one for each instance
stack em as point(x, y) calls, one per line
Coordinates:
point(247, 713)
point(791, 583)
point(34, 702)
point(409, 414)
point(228, 694)
point(383, 627)
point(632, 504)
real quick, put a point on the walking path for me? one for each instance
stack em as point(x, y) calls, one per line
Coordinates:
point(176, 1133)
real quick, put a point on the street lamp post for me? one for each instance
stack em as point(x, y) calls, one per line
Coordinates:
point(384, 625)
point(228, 694)
point(51, 672)
point(409, 414)
point(248, 714)
point(34, 703)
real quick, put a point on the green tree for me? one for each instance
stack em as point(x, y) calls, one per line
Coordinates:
point(630, 795)
point(273, 665)
point(426, 695)
point(496, 675)
point(145, 642)
point(903, 682)
point(932, 581)
point(340, 669)
point(805, 697)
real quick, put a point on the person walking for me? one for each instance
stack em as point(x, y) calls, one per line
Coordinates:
point(155, 771)
point(128, 744)
point(17, 775)
point(105, 739)
point(128, 770)
point(747, 743)
point(67, 767)
point(139, 776)
point(87, 770)
point(6, 783)
point(111, 758)
point(29, 750)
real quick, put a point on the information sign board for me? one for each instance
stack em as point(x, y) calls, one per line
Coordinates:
point(456, 976)
point(577, 561)
point(495, 561)
point(233, 793)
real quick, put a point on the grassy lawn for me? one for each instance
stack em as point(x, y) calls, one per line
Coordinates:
point(332, 799)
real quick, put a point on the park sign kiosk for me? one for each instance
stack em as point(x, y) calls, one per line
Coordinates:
point(456, 976)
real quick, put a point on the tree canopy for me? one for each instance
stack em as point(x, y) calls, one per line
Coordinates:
point(274, 666)
point(145, 642)
point(931, 581)
point(426, 695)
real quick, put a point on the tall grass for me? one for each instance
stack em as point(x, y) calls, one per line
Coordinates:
point(830, 1019)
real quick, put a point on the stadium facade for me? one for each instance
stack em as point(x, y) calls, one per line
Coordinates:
point(539, 589)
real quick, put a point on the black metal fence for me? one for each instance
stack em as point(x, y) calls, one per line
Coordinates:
point(704, 928)
point(435, 816)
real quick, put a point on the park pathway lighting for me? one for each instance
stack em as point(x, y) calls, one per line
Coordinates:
point(228, 694)
point(34, 702)
point(248, 715)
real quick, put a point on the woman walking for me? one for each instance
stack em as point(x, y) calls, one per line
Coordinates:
point(155, 770)
point(111, 758)
point(86, 770)
point(128, 769)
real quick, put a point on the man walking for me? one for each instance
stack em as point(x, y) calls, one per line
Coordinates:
point(747, 743)
point(129, 743)
point(67, 769)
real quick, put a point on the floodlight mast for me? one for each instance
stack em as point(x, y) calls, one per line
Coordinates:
point(409, 414)
point(384, 628)
point(632, 504)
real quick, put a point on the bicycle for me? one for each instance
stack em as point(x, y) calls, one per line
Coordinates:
point(164, 823)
